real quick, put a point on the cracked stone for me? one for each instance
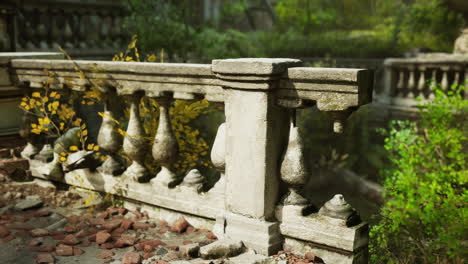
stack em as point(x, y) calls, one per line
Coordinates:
point(222, 248)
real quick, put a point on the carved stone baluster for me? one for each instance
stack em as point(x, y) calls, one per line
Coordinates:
point(116, 31)
point(29, 30)
point(135, 145)
point(110, 140)
point(55, 30)
point(42, 31)
point(411, 82)
point(433, 82)
point(193, 179)
point(340, 211)
point(165, 148)
point(67, 31)
point(422, 80)
point(293, 169)
point(401, 82)
point(218, 157)
point(444, 83)
point(457, 78)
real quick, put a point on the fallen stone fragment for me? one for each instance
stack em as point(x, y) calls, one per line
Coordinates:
point(30, 202)
point(105, 254)
point(103, 215)
point(102, 237)
point(64, 250)
point(222, 248)
point(148, 255)
point(70, 228)
point(122, 211)
point(74, 219)
point(190, 250)
point(41, 213)
point(38, 232)
point(190, 230)
point(250, 258)
point(148, 248)
point(112, 224)
point(45, 258)
point(180, 225)
point(131, 257)
point(59, 224)
point(71, 240)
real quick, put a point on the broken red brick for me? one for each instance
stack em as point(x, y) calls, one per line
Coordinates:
point(49, 248)
point(139, 225)
point(74, 219)
point(137, 213)
point(103, 215)
point(4, 232)
point(122, 211)
point(107, 245)
point(102, 237)
point(105, 254)
point(124, 241)
point(126, 224)
point(187, 242)
point(44, 258)
point(41, 213)
point(180, 225)
point(71, 240)
point(212, 236)
point(38, 232)
point(70, 228)
point(147, 255)
point(148, 248)
point(176, 248)
point(78, 251)
point(36, 242)
point(131, 257)
point(112, 224)
point(190, 230)
point(64, 250)
point(96, 221)
point(163, 230)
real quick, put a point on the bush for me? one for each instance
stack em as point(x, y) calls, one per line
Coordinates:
point(425, 214)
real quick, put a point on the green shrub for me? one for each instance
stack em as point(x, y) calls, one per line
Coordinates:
point(425, 214)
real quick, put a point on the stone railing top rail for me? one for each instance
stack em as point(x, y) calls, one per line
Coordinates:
point(435, 59)
point(74, 3)
point(332, 89)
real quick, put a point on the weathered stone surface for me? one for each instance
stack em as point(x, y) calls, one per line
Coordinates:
point(222, 248)
point(253, 66)
point(29, 202)
point(338, 208)
point(250, 258)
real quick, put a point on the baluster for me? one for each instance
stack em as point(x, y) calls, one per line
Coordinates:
point(55, 29)
point(105, 30)
point(401, 82)
point(422, 80)
point(135, 145)
point(93, 35)
point(218, 157)
point(444, 83)
point(193, 179)
point(67, 31)
point(457, 78)
point(110, 140)
point(411, 82)
point(293, 169)
point(165, 148)
point(42, 33)
point(83, 22)
point(115, 31)
point(433, 83)
point(340, 211)
point(29, 31)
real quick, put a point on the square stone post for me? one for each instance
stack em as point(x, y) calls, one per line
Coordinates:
point(256, 134)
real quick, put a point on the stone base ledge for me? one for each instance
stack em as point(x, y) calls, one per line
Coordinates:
point(328, 256)
point(321, 229)
point(181, 198)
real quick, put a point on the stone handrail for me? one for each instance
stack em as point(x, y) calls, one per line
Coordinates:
point(256, 150)
point(85, 29)
point(406, 79)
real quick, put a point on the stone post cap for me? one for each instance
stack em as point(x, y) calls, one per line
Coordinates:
point(253, 66)
point(338, 208)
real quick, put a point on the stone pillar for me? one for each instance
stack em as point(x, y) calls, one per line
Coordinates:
point(256, 134)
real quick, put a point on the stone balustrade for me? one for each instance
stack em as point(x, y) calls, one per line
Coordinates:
point(85, 29)
point(411, 78)
point(257, 149)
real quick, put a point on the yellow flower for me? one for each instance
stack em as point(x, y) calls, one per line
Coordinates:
point(53, 94)
point(90, 146)
point(36, 94)
point(96, 148)
point(63, 158)
point(73, 148)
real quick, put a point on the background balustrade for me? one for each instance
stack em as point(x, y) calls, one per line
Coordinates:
point(85, 29)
